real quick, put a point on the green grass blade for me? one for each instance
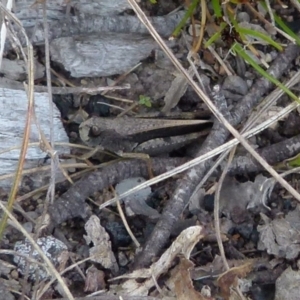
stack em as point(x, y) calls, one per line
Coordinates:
point(259, 35)
point(283, 26)
point(241, 52)
point(216, 35)
point(187, 15)
point(217, 8)
point(286, 29)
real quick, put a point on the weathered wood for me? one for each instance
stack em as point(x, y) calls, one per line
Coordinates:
point(90, 17)
point(94, 40)
point(17, 69)
point(28, 11)
point(103, 54)
point(13, 110)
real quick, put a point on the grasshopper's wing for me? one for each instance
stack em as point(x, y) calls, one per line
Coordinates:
point(135, 129)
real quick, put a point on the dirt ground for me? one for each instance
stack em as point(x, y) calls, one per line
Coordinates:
point(219, 228)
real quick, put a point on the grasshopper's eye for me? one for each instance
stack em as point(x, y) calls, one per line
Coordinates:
point(94, 131)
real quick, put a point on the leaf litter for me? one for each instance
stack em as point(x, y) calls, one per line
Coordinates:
point(170, 276)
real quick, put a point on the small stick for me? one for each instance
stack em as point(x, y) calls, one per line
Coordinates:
point(137, 244)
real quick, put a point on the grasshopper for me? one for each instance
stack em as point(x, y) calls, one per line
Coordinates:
point(141, 135)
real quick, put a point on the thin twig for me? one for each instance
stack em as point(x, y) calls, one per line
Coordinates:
point(25, 141)
point(209, 103)
point(206, 156)
point(121, 213)
point(122, 77)
point(249, 124)
point(54, 159)
point(270, 12)
point(63, 89)
point(217, 208)
point(74, 265)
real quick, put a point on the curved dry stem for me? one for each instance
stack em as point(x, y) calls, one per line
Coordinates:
point(25, 141)
point(209, 103)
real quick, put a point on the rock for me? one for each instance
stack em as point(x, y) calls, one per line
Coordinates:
point(13, 114)
point(54, 249)
point(103, 54)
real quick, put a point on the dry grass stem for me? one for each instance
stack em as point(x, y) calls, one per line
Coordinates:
point(206, 156)
point(121, 213)
point(209, 103)
point(51, 269)
point(25, 141)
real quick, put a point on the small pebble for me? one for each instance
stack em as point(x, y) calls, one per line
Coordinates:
point(273, 205)
point(243, 17)
point(235, 84)
point(123, 260)
point(52, 248)
point(28, 227)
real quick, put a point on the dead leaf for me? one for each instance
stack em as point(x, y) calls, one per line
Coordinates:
point(216, 267)
point(176, 91)
point(183, 245)
point(279, 237)
point(242, 195)
point(228, 281)
point(181, 283)
point(94, 280)
point(101, 250)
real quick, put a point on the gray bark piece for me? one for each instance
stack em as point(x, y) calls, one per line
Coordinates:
point(28, 12)
point(56, 9)
point(85, 24)
point(101, 7)
point(17, 69)
point(89, 43)
point(104, 54)
point(13, 110)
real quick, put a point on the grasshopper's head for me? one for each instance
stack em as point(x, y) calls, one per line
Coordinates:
point(90, 133)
